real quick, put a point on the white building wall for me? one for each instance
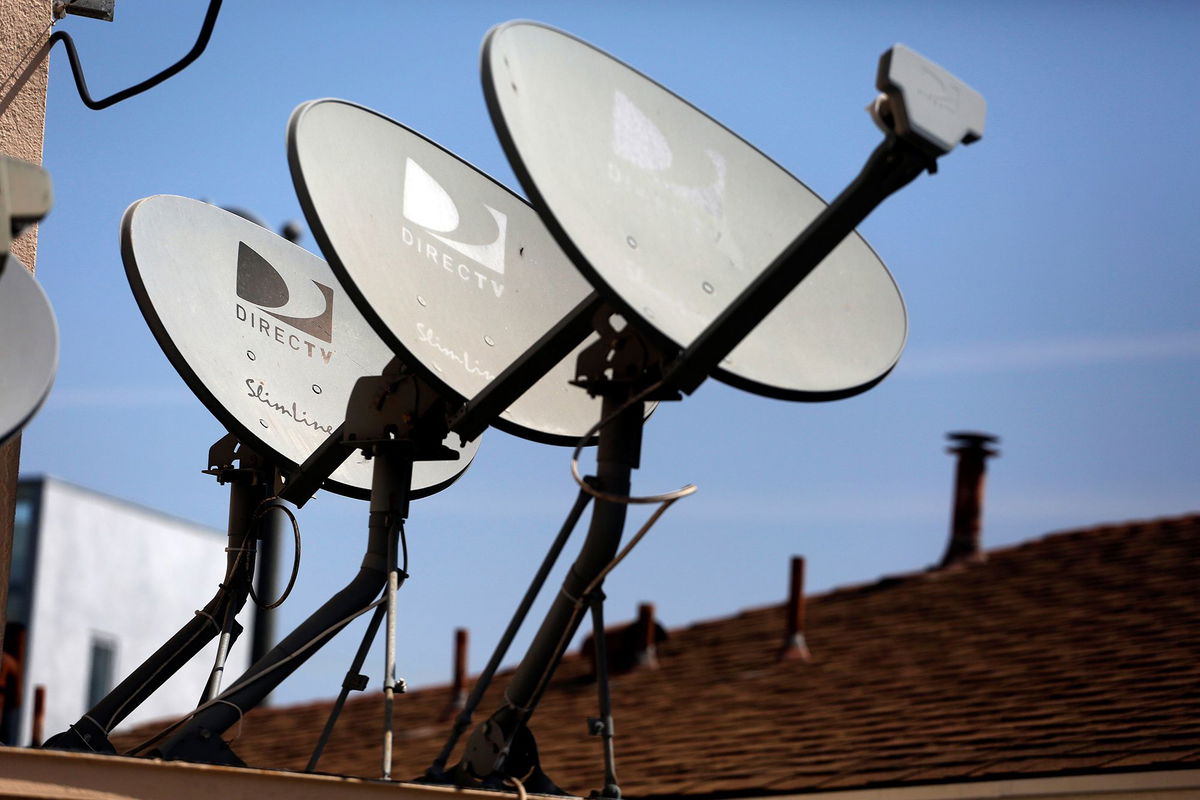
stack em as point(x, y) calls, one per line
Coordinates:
point(109, 567)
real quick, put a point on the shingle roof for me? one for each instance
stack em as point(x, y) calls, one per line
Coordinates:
point(1078, 652)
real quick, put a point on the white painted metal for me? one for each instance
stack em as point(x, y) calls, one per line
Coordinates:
point(672, 215)
point(260, 330)
point(454, 271)
point(28, 346)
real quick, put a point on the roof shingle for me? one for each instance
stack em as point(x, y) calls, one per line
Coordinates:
point(1077, 652)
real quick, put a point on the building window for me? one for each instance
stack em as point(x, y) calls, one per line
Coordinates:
point(24, 551)
point(104, 665)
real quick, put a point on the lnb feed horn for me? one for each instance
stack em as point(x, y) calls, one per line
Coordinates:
point(25, 198)
point(925, 104)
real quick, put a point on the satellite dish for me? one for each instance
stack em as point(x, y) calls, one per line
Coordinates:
point(456, 273)
point(671, 215)
point(28, 346)
point(261, 331)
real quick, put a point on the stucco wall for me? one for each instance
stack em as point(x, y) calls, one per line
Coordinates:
point(23, 28)
point(116, 569)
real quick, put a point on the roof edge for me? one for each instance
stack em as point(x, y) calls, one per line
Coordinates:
point(1165, 781)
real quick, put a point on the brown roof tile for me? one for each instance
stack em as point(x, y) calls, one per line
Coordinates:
point(1079, 651)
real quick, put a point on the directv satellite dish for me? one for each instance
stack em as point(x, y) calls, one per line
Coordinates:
point(456, 273)
point(261, 331)
point(671, 216)
point(28, 346)
point(721, 262)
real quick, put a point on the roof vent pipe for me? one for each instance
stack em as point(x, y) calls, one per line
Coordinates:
point(795, 648)
point(38, 734)
point(458, 692)
point(646, 654)
point(973, 452)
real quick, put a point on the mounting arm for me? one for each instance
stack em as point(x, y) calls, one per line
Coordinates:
point(617, 367)
point(387, 417)
point(250, 483)
point(924, 112)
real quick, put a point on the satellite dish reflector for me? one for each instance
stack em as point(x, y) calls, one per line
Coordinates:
point(455, 272)
point(28, 346)
point(261, 331)
point(670, 215)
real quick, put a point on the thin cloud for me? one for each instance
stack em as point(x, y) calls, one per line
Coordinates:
point(1038, 354)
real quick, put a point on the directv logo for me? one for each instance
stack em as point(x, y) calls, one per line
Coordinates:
point(309, 310)
point(638, 142)
point(480, 236)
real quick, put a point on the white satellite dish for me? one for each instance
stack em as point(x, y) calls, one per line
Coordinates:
point(456, 273)
point(28, 346)
point(671, 216)
point(721, 262)
point(261, 331)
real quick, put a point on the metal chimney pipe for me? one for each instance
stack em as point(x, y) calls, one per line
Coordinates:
point(458, 694)
point(647, 648)
point(795, 648)
point(973, 452)
point(39, 716)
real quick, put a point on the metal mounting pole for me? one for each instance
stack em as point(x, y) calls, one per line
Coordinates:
point(437, 771)
point(389, 497)
point(502, 745)
point(200, 739)
point(248, 487)
point(266, 585)
point(602, 726)
point(382, 419)
point(224, 642)
point(354, 681)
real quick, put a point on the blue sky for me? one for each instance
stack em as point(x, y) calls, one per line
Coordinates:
point(1049, 271)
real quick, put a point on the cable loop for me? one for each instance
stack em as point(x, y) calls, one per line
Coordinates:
point(263, 507)
point(521, 794)
point(82, 737)
point(637, 537)
point(586, 486)
point(665, 501)
point(240, 713)
point(200, 612)
point(206, 29)
point(508, 702)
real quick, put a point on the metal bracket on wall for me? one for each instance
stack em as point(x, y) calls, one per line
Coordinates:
point(95, 9)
